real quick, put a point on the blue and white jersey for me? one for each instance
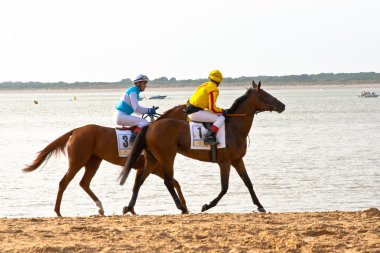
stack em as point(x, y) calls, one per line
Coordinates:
point(129, 102)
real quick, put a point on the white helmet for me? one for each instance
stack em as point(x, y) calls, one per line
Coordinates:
point(141, 78)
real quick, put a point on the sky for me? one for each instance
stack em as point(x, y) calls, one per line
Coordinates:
point(110, 40)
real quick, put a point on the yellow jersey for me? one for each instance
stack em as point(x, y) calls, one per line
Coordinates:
point(205, 97)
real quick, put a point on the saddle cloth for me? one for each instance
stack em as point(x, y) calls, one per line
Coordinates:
point(198, 132)
point(123, 144)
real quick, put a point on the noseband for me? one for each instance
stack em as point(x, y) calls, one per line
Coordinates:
point(271, 107)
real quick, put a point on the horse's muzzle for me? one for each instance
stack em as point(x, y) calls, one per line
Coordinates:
point(280, 108)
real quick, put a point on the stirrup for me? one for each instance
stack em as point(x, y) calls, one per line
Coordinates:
point(211, 140)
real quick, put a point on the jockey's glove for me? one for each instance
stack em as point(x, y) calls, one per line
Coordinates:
point(225, 112)
point(152, 111)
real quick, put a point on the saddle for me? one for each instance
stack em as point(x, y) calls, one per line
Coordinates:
point(210, 137)
point(123, 137)
point(198, 132)
point(124, 128)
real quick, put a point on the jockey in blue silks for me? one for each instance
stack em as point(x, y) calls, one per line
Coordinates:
point(129, 106)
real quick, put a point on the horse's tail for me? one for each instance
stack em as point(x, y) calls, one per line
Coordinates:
point(55, 147)
point(137, 148)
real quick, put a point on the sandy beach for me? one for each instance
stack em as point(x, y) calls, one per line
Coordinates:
point(337, 231)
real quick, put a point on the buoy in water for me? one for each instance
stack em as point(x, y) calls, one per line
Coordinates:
point(35, 101)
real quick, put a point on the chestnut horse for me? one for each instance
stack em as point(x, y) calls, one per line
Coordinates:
point(164, 138)
point(87, 146)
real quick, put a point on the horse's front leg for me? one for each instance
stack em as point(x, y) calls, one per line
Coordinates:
point(224, 176)
point(141, 175)
point(240, 168)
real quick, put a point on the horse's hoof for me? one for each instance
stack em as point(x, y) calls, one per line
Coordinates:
point(128, 209)
point(101, 212)
point(204, 207)
point(261, 210)
point(132, 211)
point(185, 211)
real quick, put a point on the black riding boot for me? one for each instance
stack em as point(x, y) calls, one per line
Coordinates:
point(210, 138)
point(133, 138)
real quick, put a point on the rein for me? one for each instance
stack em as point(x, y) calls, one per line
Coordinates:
point(241, 114)
point(236, 114)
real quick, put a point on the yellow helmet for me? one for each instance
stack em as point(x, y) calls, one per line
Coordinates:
point(216, 76)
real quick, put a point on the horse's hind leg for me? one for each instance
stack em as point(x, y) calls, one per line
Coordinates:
point(71, 172)
point(170, 185)
point(177, 187)
point(224, 177)
point(158, 171)
point(91, 168)
point(240, 168)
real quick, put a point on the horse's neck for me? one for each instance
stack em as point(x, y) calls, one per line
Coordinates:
point(243, 124)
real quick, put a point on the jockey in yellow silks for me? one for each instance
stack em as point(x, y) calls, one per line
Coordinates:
point(202, 106)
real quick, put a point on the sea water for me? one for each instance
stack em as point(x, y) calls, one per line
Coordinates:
point(321, 154)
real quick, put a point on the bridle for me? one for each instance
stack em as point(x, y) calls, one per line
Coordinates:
point(270, 108)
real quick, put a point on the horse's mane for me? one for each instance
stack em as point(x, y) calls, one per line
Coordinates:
point(239, 100)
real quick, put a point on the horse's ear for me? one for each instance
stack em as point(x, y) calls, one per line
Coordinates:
point(254, 85)
point(259, 86)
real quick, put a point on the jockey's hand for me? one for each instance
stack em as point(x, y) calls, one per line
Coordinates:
point(225, 112)
point(152, 111)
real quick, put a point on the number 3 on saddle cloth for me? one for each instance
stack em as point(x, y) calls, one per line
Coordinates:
point(198, 132)
point(123, 144)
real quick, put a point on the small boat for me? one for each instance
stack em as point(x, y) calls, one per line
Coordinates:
point(158, 97)
point(367, 94)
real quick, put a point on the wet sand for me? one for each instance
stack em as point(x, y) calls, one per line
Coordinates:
point(246, 232)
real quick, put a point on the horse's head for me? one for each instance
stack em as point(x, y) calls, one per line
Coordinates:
point(264, 101)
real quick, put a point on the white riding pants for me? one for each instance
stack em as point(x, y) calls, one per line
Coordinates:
point(207, 116)
point(123, 119)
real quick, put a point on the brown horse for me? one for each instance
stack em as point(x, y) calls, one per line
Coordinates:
point(163, 139)
point(87, 146)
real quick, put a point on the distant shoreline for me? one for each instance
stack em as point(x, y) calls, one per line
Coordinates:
point(314, 81)
point(190, 88)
